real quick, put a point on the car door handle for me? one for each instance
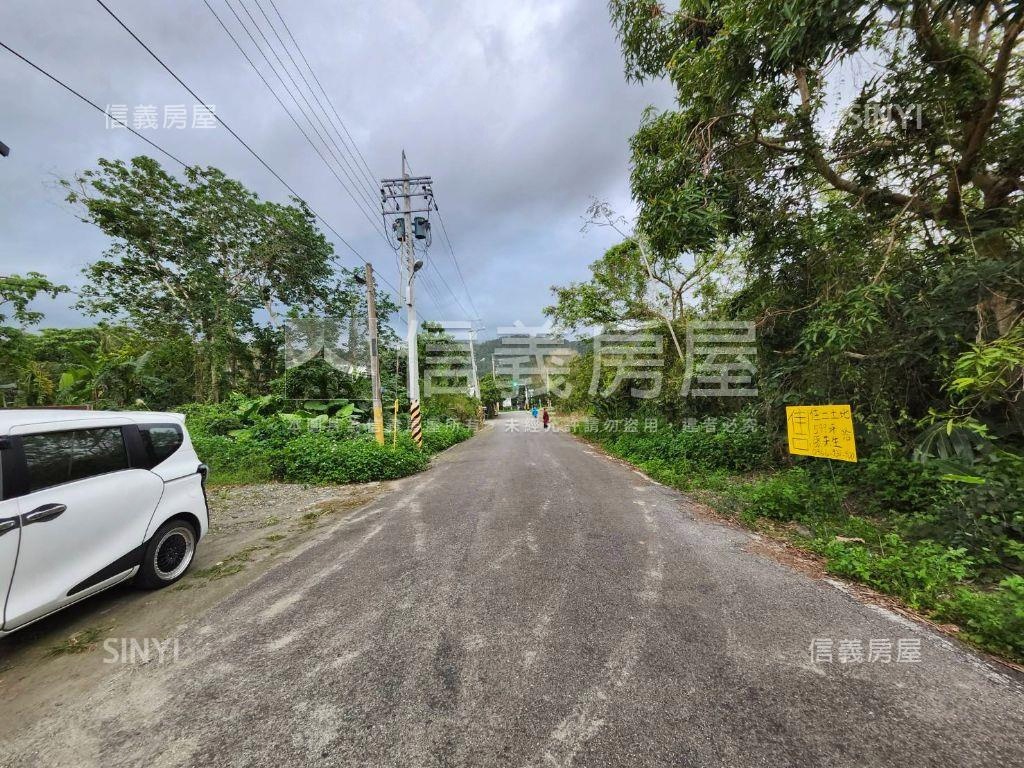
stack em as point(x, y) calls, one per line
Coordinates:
point(44, 513)
point(8, 524)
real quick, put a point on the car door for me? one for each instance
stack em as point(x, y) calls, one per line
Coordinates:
point(83, 512)
point(10, 526)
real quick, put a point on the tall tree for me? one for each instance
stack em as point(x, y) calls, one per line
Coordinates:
point(930, 143)
point(17, 292)
point(16, 295)
point(635, 282)
point(200, 255)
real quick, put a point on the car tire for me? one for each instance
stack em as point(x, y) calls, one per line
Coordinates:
point(168, 555)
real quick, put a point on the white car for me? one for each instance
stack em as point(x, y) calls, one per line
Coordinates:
point(89, 499)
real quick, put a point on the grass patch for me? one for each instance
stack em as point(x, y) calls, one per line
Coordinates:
point(229, 566)
point(328, 507)
point(80, 642)
point(219, 571)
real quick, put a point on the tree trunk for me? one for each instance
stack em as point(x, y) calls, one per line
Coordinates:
point(997, 309)
point(216, 368)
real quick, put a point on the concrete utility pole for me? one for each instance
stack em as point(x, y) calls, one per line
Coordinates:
point(371, 313)
point(494, 378)
point(475, 389)
point(410, 303)
point(407, 187)
point(408, 242)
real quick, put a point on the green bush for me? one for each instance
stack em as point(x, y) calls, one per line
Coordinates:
point(234, 461)
point(450, 406)
point(791, 495)
point(272, 432)
point(993, 619)
point(443, 436)
point(732, 446)
point(319, 458)
point(250, 440)
point(676, 473)
point(922, 573)
point(210, 419)
point(985, 509)
point(892, 483)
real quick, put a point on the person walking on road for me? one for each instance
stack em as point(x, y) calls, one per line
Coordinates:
point(534, 411)
point(546, 418)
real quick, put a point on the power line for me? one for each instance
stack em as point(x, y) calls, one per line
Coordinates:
point(430, 263)
point(238, 138)
point(367, 203)
point(272, 91)
point(212, 112)
point(263, 162)
point(432, 291)
point(325, 137)
point(451, 250)
point(152, 143)
point(372, 177)
point(316, 149)
point(438, 300)
point(94, 105)
point(372, 185)
point(182, 163)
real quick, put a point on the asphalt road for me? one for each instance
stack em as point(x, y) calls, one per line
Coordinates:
point(528, 602)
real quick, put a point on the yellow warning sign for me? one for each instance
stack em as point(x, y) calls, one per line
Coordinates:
point(825, 431)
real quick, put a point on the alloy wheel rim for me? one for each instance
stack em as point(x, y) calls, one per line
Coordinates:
point(174, 553)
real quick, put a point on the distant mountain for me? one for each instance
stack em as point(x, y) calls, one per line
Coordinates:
point(485, 351)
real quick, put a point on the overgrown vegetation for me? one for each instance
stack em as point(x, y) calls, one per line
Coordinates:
point(247, 440)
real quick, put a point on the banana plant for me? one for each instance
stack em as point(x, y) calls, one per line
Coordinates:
point(94, 375)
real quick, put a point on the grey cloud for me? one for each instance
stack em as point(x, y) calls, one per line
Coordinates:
point(519, 111)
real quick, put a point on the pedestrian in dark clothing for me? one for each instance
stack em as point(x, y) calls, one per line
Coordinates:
point(546, 418)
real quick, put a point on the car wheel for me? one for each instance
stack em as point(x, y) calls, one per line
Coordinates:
point(168, 555)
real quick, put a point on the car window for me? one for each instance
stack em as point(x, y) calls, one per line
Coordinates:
point(160, 441)
point(60, 457)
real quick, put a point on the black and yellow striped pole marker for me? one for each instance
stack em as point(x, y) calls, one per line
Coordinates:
point(414, 423)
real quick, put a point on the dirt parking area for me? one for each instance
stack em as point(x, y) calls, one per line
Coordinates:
point(49, 664)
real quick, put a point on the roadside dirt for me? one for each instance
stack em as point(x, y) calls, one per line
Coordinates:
point(49, 664)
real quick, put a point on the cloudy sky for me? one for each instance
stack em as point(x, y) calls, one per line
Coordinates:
point(519, 111)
